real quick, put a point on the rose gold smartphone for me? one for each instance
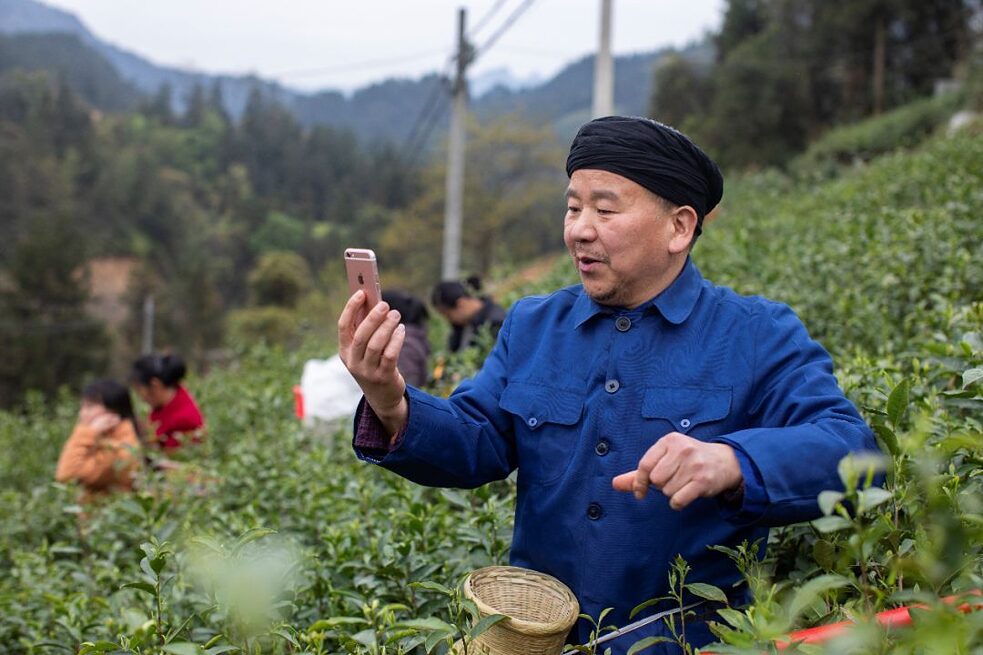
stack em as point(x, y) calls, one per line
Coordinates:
point(363, 273)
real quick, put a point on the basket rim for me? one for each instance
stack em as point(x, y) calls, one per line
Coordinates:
point(526, 627)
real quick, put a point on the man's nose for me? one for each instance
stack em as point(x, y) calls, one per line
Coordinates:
point(582, 229)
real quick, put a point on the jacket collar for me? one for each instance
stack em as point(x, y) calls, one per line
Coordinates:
point(675, 302)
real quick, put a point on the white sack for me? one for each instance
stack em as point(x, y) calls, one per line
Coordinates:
point(329, 390)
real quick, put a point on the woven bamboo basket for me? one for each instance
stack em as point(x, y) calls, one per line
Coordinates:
point(541, 611)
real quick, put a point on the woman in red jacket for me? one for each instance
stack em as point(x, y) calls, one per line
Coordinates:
point(174, 414)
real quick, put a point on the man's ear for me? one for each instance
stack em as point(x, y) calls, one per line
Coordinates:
point(684, 229)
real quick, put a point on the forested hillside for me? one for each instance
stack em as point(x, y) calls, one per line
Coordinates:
point(379, 111)
point(199, 201)
point(785, 72)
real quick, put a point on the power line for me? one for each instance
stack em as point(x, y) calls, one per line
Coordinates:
point(426, 121)
point(433, 109)
point(487, 17)
point(514, 16)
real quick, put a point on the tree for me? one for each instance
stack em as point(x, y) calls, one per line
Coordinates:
point(680, 91)
point(161, 105)
point(512, 205)
point(280, 279)
point(197, 107)
point(49, 339)
point(742, 20)
point(761, 109)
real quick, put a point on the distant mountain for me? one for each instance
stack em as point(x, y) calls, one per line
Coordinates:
point(84, 70)
point(501, 77)
point(384, 111)
point(31, 17)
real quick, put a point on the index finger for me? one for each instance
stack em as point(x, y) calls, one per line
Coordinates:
point(645, 466)
point(346, 322)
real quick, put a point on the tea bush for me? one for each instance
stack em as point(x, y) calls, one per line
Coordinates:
point(272, 538)
point(904, 127)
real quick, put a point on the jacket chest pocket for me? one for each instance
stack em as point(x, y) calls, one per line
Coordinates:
point(546, 427)
point(690, 410)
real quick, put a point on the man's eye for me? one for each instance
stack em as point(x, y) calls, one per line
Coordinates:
point(572, 209)
point(604, 212)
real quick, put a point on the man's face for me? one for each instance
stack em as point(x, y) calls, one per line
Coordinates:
point(623, 238)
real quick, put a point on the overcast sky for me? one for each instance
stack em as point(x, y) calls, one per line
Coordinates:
point(314, 44)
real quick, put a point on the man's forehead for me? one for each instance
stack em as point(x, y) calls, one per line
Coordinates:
point(594, 194)
point(599, 184)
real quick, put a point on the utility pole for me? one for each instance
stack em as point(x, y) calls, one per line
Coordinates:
point(454, 204)
point(148, 325)
point(604, 67)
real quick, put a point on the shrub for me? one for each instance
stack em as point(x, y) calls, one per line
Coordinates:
point(904, 127)
point(280, 279)
point(273, 325)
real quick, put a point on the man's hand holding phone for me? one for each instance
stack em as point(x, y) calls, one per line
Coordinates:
point(370, 349)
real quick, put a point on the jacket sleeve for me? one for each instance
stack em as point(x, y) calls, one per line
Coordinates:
point(94, 462)
point(462, 441)
point(804, 423)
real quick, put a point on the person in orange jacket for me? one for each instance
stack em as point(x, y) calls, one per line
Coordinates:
point(103, 452)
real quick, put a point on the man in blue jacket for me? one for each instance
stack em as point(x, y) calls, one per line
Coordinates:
point(645, 376)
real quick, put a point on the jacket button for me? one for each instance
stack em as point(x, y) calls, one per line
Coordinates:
point(685, 423)
point(612, 386)
point(623, 324)
point(533, 421)
point(602, 448)
point(594, 511)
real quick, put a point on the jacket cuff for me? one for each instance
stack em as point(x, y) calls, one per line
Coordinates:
point(371, 441)
point(747, 503)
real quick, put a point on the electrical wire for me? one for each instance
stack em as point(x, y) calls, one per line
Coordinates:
point(427, 120)
point(503, 28)
point(433, 110)
point(487, 17)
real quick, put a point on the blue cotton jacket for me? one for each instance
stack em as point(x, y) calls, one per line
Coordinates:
point(574, 393)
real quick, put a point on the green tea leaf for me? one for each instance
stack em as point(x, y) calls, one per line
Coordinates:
point(432, 586)
point(807, 594)
point(430, 623)
point(145, 587)
point(871, 498)
point(335, 621)
point(707, 591)
point(888, 439)
point(183, 648)
point(735, 618)
point(831, 524)
point(897, 402)
point(482, 626)
point(218, 650)
point(286, 636)
point(648, 642)
point(972, 376)
point(828, 501)
point(436, 637)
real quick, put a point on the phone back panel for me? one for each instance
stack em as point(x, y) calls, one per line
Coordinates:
point(363, 273)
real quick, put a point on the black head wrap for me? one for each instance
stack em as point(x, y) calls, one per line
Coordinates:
point(656, 156)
